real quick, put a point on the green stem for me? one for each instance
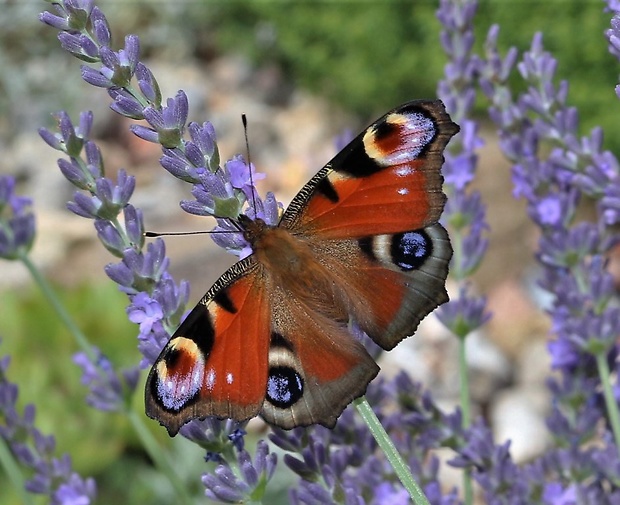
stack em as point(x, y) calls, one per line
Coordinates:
point(388, 448)
point(158, 457)
point(60, 310)
point(466, 413)
point(13, 472)
point(464, 384)
point(610, 401)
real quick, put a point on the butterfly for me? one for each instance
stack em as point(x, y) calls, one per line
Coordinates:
point(359, 244)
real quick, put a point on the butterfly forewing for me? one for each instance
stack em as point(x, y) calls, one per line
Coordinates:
point(387, 180)
point(216, 362)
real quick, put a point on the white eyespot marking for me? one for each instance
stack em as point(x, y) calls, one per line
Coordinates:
point(404, 171)
point(179, 374)
point(229, 378)
point(400, 138)
point(403, 191)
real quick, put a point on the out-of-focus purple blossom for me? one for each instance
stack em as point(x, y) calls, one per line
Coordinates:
point(17, 222)
point(386, 492)
point(462, 167)
point(613, 34)
point(555, 494)
point(585, 319)
point(465, 314)
point(76, 491)
point(48, 475)
point(109, 391)
point(585, 288)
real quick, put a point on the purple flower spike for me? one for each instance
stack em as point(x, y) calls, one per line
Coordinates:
point(175, 162)
point(148, 85)
point(101, 27)
point(17, 223)
point(224, 485)
point(85, 206)
point(110, 237)
point(50, 476)
point(134, 226)
point(204, 139)
point(106, 389)
point(172, 298)
point(465, 314)
point(119, 67)
point(95, 77)
point(80, 46)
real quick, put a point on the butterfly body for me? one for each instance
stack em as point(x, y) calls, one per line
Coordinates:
point(359, 244)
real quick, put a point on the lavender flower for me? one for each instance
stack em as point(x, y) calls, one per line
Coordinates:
point(343, 466)
point(109, 391)
point(464, 212)
point(49, 475)
point(17, 225)
point(570, 250)
point(248, 483)
point(219, 192)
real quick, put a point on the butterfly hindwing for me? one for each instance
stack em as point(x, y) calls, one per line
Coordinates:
point(315, 367)
point(216, 363)
point(391, 281)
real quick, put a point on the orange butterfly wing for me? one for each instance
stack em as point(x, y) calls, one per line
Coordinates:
point(387, 180)
point(216, 363)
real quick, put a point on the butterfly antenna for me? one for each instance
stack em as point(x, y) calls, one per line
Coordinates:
point(152, 234)
point(244, 120)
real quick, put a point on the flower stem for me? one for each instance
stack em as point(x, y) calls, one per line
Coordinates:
point(60, 310)
point(610, 401)
point(466, 414)
point(159, 459)
point(388, 448)
point(13, 472)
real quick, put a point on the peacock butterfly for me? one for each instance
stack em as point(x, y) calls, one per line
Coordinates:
point(359, 243)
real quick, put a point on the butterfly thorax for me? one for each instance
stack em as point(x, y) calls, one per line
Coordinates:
point(290, 263)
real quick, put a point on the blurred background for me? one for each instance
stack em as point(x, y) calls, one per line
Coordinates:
point(303, 72)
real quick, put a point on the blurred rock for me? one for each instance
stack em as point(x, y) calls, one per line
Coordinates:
point(518, 415)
